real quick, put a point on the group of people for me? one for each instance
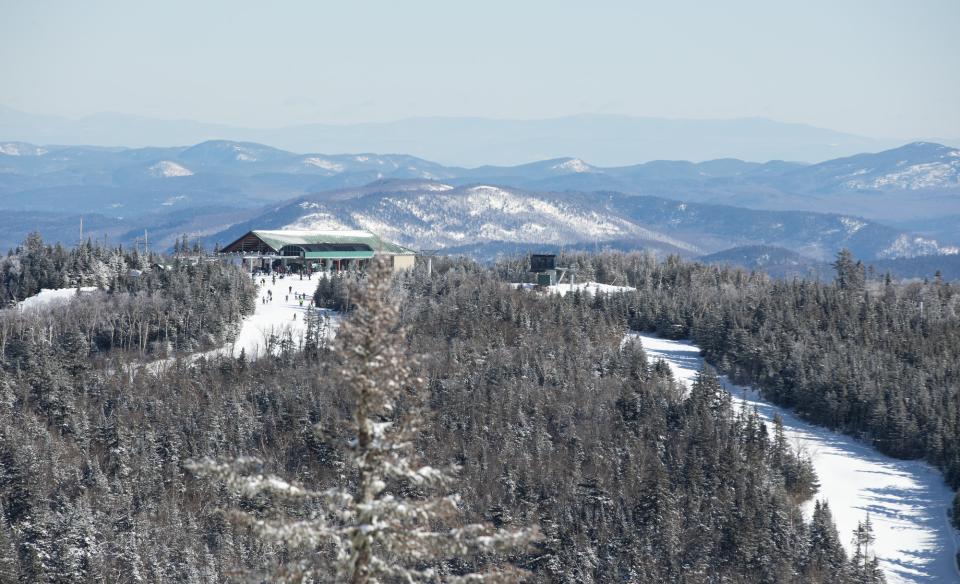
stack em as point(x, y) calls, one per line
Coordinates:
point(299, 297)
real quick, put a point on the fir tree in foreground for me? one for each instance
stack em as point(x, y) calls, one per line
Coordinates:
point(384, 528)
point(866, 567)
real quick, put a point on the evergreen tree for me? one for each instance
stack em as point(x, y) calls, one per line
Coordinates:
point(379, 532)
point(827, 561)
point(865, 566)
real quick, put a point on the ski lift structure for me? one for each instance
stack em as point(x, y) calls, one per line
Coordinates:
point(546, 272)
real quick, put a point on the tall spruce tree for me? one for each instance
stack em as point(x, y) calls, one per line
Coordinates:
point(385, 527)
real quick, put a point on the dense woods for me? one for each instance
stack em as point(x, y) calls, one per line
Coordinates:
point(863, 355)
point(555, 421)
point(149, 309)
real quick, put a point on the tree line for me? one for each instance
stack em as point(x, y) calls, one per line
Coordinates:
point(555, 422)
point(861, 354)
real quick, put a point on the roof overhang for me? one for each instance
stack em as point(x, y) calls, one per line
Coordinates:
point(272, 241)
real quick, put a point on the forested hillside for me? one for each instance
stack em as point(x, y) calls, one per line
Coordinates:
point(555, 423)
point(871, 358)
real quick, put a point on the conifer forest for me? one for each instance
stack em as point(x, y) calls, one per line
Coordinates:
point(457, 427)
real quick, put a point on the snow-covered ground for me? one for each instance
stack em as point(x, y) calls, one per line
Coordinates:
point(47, 296)
point(588, 288)
point(583, 287)
point(907, 500)
point(282, 316)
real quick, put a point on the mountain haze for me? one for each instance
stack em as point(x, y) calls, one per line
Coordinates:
point(217, 188)
point(607, 140)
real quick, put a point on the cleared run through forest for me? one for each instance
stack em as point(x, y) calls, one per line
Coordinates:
point(907, 500)
point(282, 314)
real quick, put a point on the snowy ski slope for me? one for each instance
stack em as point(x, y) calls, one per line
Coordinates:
point(281, 316)
point(907, 500)
point(49, 296)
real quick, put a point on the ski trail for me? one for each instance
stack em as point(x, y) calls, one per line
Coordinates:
point(907, 499)
point(280, 316)
point(283, 317)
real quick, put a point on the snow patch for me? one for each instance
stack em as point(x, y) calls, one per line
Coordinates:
point(436, 187)
point(323, 163)
point(281, 317)
point(244, 154)
point(168, 169)
point(52, 296)
point(174, 200)
point(573, 165)
point(907, 500)
point(852, 225)
point(906, 246)
point(21, 149)
point(928, 175)
point(592, 288)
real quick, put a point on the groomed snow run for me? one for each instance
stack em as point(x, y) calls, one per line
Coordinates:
point(272, 319)
point(907, 500)
point(47, 297)
point(584, 288)
point(284, 315)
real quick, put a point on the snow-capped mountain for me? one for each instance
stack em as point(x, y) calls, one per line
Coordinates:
point(167, 169)
point(483, 219)
point(916, 166)
point(21, 149)
point(686, 207)
point(440, 216)
point(940, 174)
point(226, 153)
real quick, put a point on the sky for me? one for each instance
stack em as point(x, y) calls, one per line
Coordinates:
point(877, 68)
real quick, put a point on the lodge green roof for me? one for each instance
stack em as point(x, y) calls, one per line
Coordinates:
point(277, 239)
point(338, 255)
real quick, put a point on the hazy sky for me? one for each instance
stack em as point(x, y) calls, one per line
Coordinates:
point(879, 68)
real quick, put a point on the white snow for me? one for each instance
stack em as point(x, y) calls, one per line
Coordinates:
point(171, 201)
point(852, 225)
point(48, 297)
point(280, 317)
point(943, 173)
point(907, 500)
point(168, 169)
point(591, 288)
point(436, 187)
point(906, 246)
point(273, 319)
point(309, 233)
point(10, 149)
point(573, 165)
point(436, 215)
point(21, 149)
point(324, 164)
point(244, 154)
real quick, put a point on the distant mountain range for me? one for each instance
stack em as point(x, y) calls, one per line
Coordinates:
point(609, 140)
point(484, 220)
point(898, 203)
point(784, 263)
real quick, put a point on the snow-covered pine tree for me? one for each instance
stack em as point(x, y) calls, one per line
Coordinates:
point(827, 561)
point(866, 567)
point(380, 532)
